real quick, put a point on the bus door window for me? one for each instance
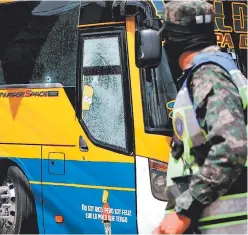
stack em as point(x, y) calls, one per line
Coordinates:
point(103, 111)
point(159, 93)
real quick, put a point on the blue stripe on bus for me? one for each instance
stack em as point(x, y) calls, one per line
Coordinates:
point(95, 173)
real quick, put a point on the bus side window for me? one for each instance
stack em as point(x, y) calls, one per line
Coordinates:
point(1, 74)
point(102, 78)
point(39, 44)
point(57, 58)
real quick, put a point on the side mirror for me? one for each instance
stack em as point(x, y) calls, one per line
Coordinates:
point(148, 48)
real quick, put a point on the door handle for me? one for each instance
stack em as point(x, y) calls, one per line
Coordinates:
point(82, 144)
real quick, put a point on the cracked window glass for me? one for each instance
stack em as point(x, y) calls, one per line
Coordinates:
point(102, 86)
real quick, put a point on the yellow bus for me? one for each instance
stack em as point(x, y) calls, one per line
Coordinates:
point(86, 99)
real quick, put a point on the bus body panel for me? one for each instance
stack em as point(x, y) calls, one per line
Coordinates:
point(79, 178)
point(41, 134)
point(143, 141)
point(154, 209)
point(40, 105)
point(79, 194)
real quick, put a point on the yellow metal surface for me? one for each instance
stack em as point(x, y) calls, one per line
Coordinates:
point(95, 154)
point(56, 156)
point(6, 1)
point(20, 151)
point(38, 120)
point(51, 122)
point(148, 145)
point(46, 121)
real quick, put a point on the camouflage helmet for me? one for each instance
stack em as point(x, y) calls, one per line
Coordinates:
point(188, 16)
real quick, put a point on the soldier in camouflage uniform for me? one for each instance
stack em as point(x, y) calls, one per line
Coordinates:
point(209, 147)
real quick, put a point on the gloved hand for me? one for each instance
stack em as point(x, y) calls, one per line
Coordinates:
point(173, 224)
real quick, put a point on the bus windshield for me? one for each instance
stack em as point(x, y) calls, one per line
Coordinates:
point(158, 93)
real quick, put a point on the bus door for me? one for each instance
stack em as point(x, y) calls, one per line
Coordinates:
point(153, 95)
point(89, 187)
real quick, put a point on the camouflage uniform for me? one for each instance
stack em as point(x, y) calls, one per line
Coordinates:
point(219, 111)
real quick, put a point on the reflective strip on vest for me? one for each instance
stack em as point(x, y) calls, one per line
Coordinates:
point(184, 104)
point(233, 204)
point(185, 124)
point(188, 130)
point(226, 207)
point(235, 227)
point(241, 84)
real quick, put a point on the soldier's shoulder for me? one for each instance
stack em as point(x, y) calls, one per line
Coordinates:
point(210, 73)
point(209, 77)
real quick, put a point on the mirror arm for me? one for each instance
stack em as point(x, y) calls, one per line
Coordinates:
point(143, 8)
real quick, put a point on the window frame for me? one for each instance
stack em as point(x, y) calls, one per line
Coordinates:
point(118, 31)
point(150, 130)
